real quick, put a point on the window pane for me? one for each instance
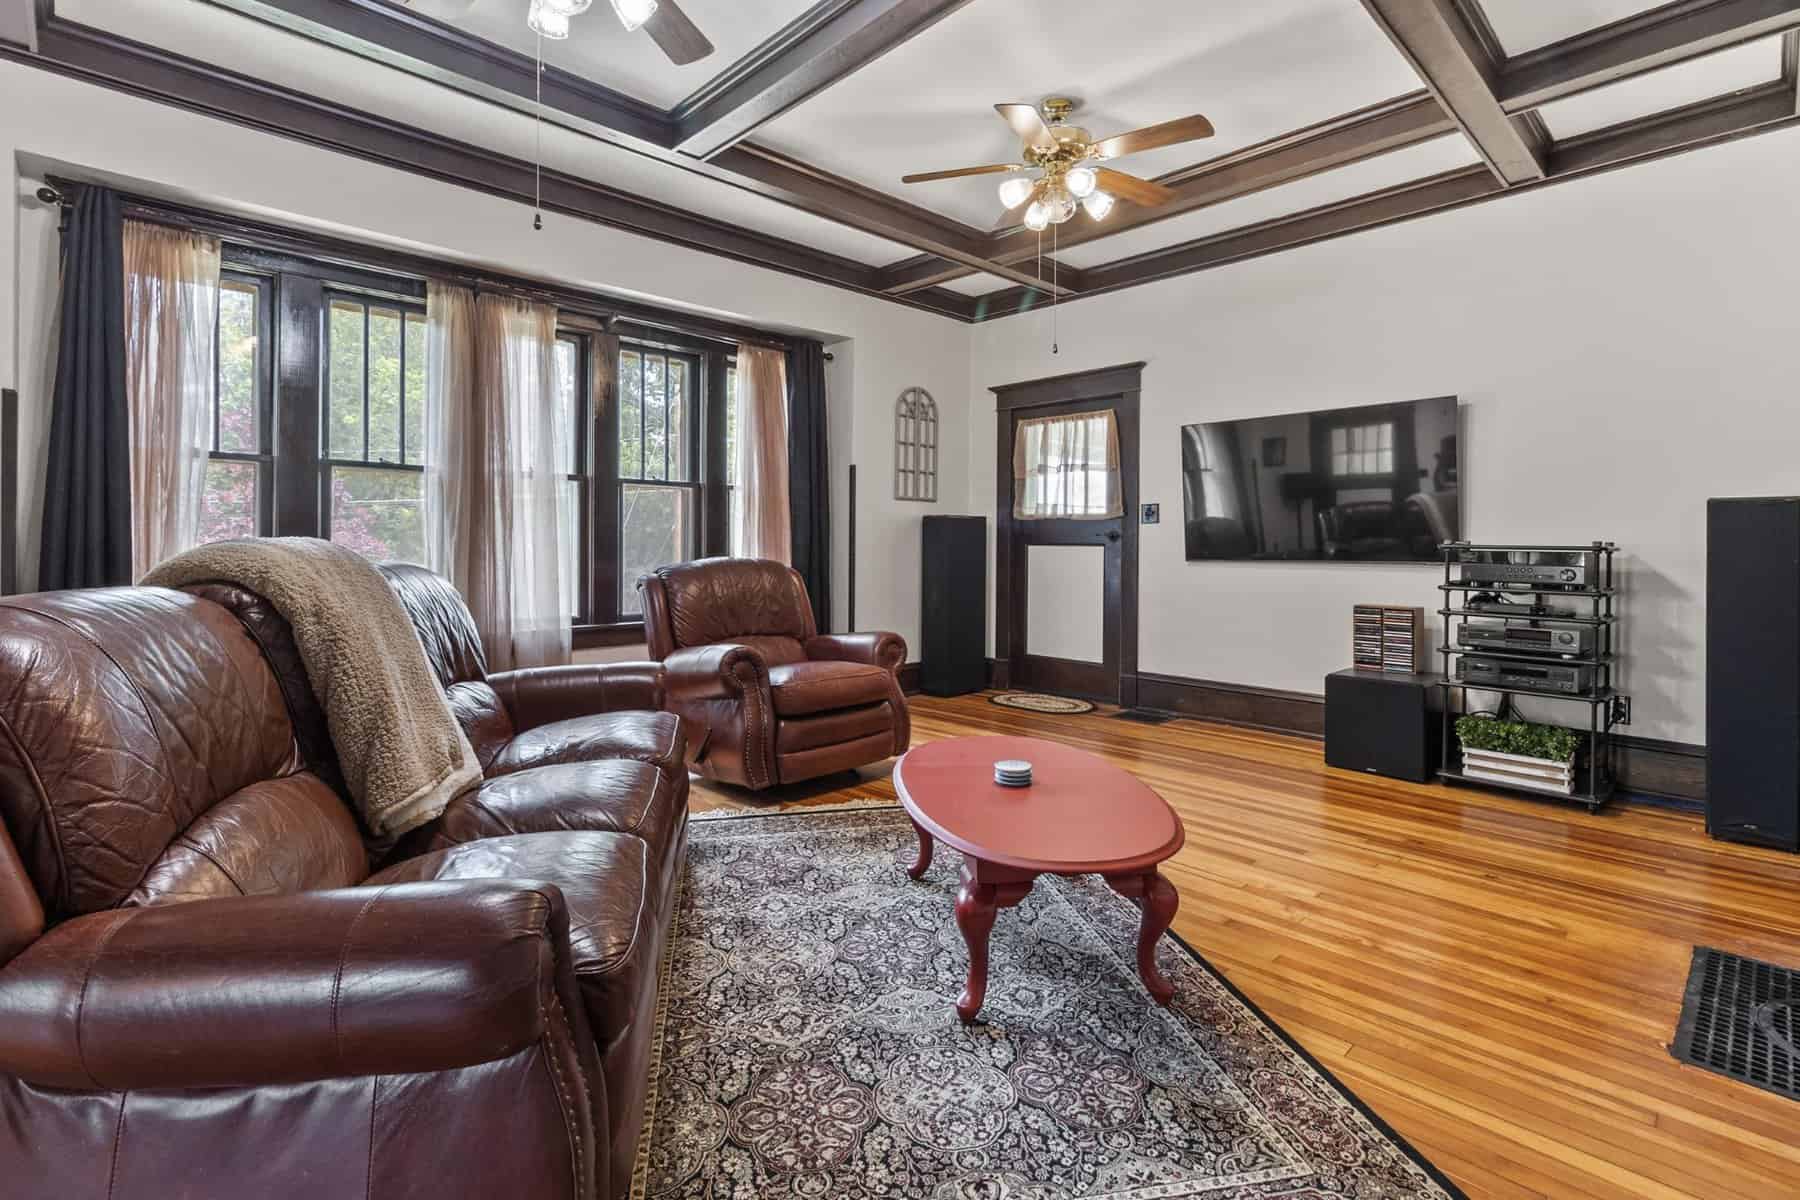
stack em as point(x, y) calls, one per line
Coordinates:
point(345, 338)
point(238, 425)
point(735, 543)
point(656, 527)
point(631, 406)
point(384, 385)
point(228, 507)
point(656, 399)
point(567, 362)
point(678, 415)
point(379, 512)
point(415, 388)
point(569, 498)
point(731, 428)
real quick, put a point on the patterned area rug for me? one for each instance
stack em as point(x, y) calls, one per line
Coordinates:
point(808, 1046)
point(1038, 702)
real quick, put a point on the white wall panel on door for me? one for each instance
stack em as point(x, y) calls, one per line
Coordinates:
point(1066, 602)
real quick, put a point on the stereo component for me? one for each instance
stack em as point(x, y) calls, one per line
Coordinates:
point(1566, 640)
point(1382, 723)
point(1535, 568)
point(1565, 678)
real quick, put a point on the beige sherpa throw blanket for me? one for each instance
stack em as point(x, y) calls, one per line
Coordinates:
point(401, 750)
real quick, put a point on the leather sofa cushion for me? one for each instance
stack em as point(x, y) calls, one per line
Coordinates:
point(605, 879)
point(649, 737)
point(810, 687)
point(796, 734)
point(616, 796)
point(727, 600)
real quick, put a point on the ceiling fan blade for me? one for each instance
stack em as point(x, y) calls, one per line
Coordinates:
point(1130, 187)
point(1028, 123)
point(1184, 129)
point(990, 169)
point(679, 37)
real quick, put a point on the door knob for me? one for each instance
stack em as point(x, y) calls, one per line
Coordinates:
point(1112, 535)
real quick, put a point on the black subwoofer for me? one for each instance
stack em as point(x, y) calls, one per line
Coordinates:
point(1753, 670)
point(953, 609)
point(1382, 724)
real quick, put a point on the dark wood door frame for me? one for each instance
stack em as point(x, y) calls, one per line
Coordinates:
point(1122, 385)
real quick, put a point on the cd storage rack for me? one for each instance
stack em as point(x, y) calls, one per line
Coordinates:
point(1593, 607)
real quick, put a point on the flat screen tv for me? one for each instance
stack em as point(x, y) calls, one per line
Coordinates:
point(1369, 484)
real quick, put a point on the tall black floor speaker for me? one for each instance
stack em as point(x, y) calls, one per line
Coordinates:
point(1753, 670)
point(953, 624)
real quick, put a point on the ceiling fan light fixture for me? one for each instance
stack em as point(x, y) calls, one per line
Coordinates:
point(1097, 204)
point(1015, 191)
point(548, 23)
point(633, 13)
point(1037, 217)
point(567, 8)
point(1081, 182)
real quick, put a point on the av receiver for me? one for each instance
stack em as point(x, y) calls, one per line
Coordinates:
point(1533, 568)
point(1550, 677)
point(1569, 640)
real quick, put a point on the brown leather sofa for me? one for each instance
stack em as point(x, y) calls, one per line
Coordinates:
point(767, 698)
point(212, 984)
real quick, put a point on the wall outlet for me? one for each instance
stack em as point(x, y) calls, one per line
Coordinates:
point(1152, 514)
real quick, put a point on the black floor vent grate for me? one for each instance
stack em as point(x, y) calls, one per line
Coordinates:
point(1739, 1019)
point(1144, 716)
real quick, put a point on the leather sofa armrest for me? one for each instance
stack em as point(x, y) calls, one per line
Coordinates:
point(721, 671)
point(536, 696)
point(250, 991)
point(876, 648)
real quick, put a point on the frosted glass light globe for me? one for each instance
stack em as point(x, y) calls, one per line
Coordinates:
point(547, 22)
point(633, 13)
point(1015, 191)
point(1098, 204)
point(1081, 182)
point(1037, 217)
point(567, 8)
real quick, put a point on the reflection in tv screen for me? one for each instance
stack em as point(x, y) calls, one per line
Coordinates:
point(1376, 483)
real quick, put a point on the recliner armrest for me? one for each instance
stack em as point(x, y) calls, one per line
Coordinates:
point(260, 990)
point(876, 648)
point(721, 671)
point(536, 696)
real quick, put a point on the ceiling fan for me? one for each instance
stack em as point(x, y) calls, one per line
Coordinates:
point(1060, 153)
point(663, 20)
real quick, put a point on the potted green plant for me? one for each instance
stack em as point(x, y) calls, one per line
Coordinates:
point(1519, 753)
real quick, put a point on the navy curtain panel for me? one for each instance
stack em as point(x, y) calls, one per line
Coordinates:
point(809, 475)
point(87, 481)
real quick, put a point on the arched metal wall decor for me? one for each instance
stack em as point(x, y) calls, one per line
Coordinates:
point(916, 446)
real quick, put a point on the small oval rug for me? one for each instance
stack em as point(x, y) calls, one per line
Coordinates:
point(1038, 702)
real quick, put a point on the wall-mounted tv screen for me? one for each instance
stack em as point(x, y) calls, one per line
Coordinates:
point(1369, 484)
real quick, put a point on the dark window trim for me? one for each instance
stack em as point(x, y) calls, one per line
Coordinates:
point(264, 380)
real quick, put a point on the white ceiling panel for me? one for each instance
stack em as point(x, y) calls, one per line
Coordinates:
point(1447, 153)
point(214, 34)
point(1684, 83)
point(599, 48)
point(1257, 70)
point(979, 285)
point(1523, 25)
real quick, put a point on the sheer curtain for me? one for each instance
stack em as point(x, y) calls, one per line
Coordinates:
point(171, 310)
point(1067, 467)
point(494, 507)
point(765, 524)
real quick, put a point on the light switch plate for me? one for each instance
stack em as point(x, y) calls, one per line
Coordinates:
point(1152, 514)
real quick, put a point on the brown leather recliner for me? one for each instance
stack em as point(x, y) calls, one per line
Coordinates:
point(769, 699)
point(206, 992)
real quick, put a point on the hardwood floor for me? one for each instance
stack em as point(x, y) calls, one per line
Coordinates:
point(1496, 977)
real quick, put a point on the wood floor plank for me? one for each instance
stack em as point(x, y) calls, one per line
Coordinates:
point(1497, 978)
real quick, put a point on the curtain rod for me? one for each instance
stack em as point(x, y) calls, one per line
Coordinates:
point(264, 236)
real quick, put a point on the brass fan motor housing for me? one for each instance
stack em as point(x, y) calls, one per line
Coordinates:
point(1073, 143)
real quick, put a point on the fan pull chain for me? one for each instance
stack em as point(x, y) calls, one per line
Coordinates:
point(537, 183)
point(1055, 293)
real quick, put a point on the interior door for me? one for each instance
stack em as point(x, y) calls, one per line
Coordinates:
point(1065, 577)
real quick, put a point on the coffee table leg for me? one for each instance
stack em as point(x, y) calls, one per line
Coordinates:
point(1157, 899)
point(922, 863)
point(975, 912)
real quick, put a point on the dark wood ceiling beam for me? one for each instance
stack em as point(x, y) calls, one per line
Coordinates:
point(431, 49)
point(1453, 58)
point(108, 60)
point(928, 270)
point(1392, 125)
point(828, 43)
point(1690, 127)
point(1670, 34)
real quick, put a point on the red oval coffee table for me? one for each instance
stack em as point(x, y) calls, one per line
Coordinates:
point(1080, 816)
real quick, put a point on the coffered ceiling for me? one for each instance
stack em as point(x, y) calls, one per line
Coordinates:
point(786, 146)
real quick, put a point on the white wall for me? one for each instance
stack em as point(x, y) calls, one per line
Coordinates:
point(1623, 346)
point(91, 132)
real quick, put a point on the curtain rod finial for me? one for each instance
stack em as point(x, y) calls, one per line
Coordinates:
point(50, 195)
